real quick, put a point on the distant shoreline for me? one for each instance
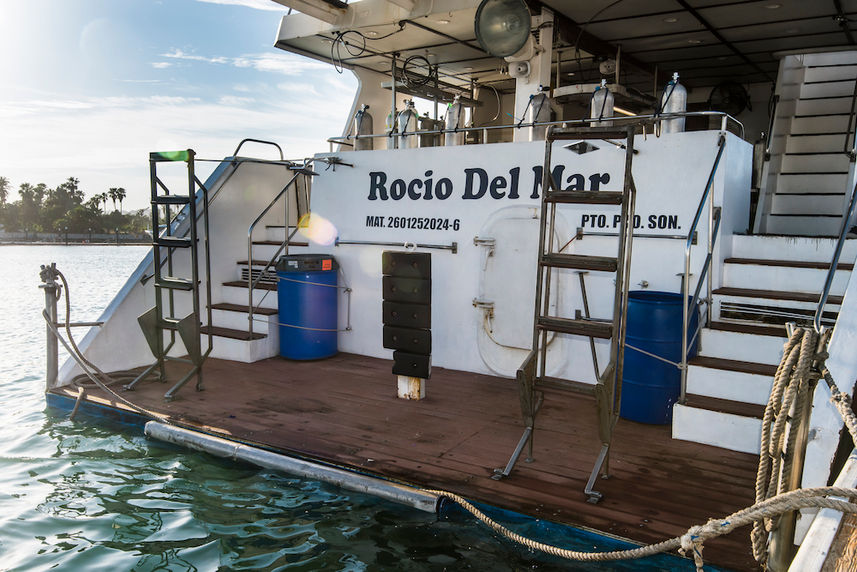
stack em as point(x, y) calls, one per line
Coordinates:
point(72, 243)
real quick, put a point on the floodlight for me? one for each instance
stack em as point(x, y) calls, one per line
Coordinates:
point(502, 26)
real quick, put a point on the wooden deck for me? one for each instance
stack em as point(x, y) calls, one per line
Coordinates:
point(344, 410)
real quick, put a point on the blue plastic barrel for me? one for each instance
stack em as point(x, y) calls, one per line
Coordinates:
point(307, 298)
point(650, 386)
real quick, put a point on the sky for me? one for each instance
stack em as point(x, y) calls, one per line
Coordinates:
point(89, 87)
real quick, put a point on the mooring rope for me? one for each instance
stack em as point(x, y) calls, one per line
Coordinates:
point(790, 395)
point(101, 379)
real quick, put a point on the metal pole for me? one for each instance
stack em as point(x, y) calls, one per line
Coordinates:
point(51, 288)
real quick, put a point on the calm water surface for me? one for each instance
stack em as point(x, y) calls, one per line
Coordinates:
point(75, 495)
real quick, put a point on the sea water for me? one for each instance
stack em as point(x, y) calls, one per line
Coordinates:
point(88, 495)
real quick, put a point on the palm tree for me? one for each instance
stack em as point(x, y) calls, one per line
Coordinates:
point(103, 198)
point(4, 190)
point(120, 195)
point(112, 193)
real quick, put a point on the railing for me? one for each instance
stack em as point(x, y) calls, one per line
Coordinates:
point(688, 304)
point(831, 272)
point(772, 122)
point(725, 118)
point(850, 150)
point(302, 171)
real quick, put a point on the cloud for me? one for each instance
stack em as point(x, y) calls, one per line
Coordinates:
point(161, 65)
point(255, 4)
point(286, 64)
point(105, 141)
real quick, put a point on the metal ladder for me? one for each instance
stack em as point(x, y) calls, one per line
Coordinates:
point(162, 317)
point(532, 373)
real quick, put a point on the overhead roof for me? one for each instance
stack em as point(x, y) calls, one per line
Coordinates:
point(706, 41)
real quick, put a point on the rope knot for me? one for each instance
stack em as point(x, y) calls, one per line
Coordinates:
point(691, 542)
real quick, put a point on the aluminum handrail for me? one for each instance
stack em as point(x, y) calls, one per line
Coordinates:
point(845, 149)
point(712, 230)
point(725, 118)
point(262, 141)
point(771, 123)
point(251, 284)
point(828, 281)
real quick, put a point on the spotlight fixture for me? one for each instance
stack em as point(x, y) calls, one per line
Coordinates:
point(502, 26)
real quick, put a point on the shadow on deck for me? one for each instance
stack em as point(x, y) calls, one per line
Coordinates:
point(344, 411)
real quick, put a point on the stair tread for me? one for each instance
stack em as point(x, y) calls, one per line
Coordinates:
point(776, 295)
point(232, 334)
point(725, 406)
point(580, 261)
point(256, 262)
point(228, 306)
point(788, 263)
point(576, 327)
point(733, 365)
point(585, 197)
point(756, 329)
point(243, 284)
point(171, 200)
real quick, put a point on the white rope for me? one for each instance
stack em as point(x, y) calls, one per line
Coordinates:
point(790, 393)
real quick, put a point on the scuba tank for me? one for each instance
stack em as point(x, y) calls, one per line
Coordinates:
point(454, 120)
point(673, 100)
point(539, 112)
point(390, 129)
point(601, 105)
point(363, 126)
point(407, 121)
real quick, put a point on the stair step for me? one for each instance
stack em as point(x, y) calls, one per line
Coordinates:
point(816, 142)
point(171, 200)
point(776, 295)
point(733, 365)
point(565, 134)
point(232, 334)
point(173, 241)
point(725, 406)
point(789, 263)
point(577, 327)
point(278, 243)
point(171, 283)
point(816, 162)
point(255, 262)
point(585, 197)
point(812, 182)
point(827, 89)
point(720, 429)
point(808, 204)
point(755, 329)
point(845, 72)
point(243, 284)
point(823, 105)
point(846, 57)
point(580, 261)
point(810, 249)
point(804, 225)
point(229, 307)
point(731, 385)
point(819, 124)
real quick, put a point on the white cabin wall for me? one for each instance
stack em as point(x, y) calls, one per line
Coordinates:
point(380, 101)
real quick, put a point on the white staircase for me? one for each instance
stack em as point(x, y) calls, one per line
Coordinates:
point(768, 281)
point(230, 325)
point(808, 176)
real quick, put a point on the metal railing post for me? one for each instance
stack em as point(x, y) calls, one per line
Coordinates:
point(689, 305)
point(51, 288)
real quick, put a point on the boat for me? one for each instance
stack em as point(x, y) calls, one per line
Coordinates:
point(561, 296)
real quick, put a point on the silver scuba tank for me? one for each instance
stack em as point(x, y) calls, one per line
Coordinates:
point(539, 112)
point(673, 100)
point(408, 126)
point(454, 120)
point(601, 105)
point(363, 126)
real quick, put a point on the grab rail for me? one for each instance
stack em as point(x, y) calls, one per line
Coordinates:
point(251, 283)
point(851, 152)
point(828, 281)
point(713, 229)
point(772, 121)
point(724, 117)
point(248, 139)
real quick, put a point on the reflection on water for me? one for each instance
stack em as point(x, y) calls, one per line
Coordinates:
point(83, 496)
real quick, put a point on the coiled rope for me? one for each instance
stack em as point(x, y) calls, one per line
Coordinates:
point(791, 393)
